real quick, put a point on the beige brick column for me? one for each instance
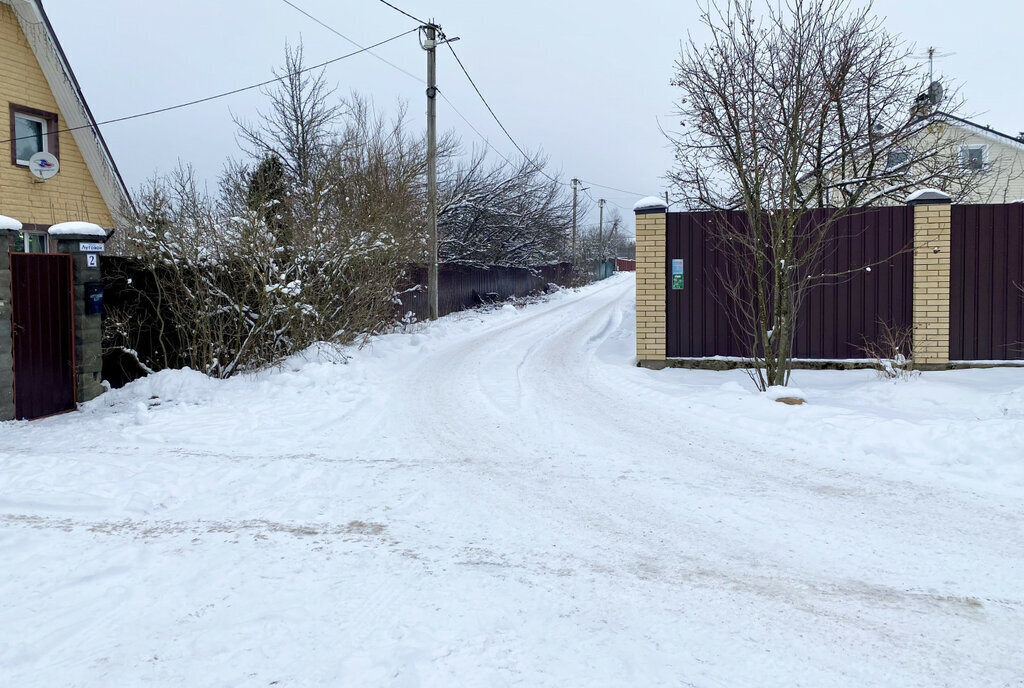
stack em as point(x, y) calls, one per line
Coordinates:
point(651, 268)
point(931, 278)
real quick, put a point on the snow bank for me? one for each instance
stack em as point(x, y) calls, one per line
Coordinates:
point(83, 228)
point(9, 223)
point(504, 498)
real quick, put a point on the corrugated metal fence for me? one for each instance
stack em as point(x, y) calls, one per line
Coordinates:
point(462, 286)
point(986, 316)
point(43, 334)
point(836, 318)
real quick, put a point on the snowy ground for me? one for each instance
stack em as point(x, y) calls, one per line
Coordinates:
point(502, 499)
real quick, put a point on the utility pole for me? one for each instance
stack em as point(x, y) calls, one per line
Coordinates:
point(666, 200)
point(430, 45)
point(600, 226)
point(575, 182)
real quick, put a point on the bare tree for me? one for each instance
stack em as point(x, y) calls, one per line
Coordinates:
point(296, 130)
point(808, 105)
point(504, 214)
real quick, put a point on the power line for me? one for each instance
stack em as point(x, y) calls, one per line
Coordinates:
point(358, 45)
point(518, 147)
point(612, 188)
point(495, 116)
point(226, 93)
point(440, 92)
point(401, 11)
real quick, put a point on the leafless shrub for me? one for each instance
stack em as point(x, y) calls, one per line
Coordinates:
point(309, 242)
point(892, 351)
point(502, 214)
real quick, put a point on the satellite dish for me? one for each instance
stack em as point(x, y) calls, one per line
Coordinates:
point(43, 165)
point(935, 93)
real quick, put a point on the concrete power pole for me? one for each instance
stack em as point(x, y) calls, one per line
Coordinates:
point(600, 226)
point(430, 45)
point(575, 182)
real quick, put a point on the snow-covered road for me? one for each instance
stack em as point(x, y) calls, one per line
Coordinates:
point(503, 499)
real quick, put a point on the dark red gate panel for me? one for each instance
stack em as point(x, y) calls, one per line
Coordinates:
point(836, 318)
point(43, 333)
point(986, 306)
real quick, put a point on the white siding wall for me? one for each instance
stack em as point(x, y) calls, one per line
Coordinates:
point(1003, 180)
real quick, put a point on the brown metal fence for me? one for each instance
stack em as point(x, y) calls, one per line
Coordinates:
point(986, 314)
point(836, 318)
point(463, 286)
point(43, 334)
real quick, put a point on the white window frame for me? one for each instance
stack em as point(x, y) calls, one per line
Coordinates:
point(26, 241)
point(45, 132)
point(967, 148)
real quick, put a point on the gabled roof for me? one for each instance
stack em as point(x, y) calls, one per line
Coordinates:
point(68, 94)
point(977, 129)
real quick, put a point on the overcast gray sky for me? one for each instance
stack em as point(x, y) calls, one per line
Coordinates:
point(587, 82)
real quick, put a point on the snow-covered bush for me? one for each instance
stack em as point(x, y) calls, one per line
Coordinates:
point(309, 240)
point(503, 214)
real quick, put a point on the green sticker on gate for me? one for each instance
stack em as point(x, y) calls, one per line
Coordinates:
point(677, 273)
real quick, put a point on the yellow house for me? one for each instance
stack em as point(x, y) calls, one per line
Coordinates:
point(995, 160)
point(47, 113)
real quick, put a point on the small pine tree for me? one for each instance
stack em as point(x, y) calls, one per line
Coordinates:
point(268, 197)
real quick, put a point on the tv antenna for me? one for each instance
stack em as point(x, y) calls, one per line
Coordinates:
point(930, 54)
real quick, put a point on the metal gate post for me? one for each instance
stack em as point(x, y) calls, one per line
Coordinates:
point(6, 344)
point(85, 250)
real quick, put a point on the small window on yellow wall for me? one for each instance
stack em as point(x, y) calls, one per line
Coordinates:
point(32, 131)
point(30, 242)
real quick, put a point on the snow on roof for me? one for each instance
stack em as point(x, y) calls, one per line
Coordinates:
point(980, 130)
point(9, 223)
point(927, 195)
point(83, 228)
point(649, 202)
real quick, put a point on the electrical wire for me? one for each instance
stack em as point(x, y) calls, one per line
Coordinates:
point(401, 11)
point(612, 188)
point(496, 119)
point(519, 148)
point(420, 80)
point(339, 33)
point(225, 93)
point(462, 66)
point(606, 200)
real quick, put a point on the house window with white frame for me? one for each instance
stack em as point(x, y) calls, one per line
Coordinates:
point(28, 241)
point(32, 131)
point(974, 157)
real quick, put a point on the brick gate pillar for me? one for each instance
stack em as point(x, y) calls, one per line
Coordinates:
point(651, 268)
point(85, 243)
point(931, 278)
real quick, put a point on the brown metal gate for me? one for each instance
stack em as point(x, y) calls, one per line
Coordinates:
point(986, 306)
point(43, 332)
point(836, 318)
